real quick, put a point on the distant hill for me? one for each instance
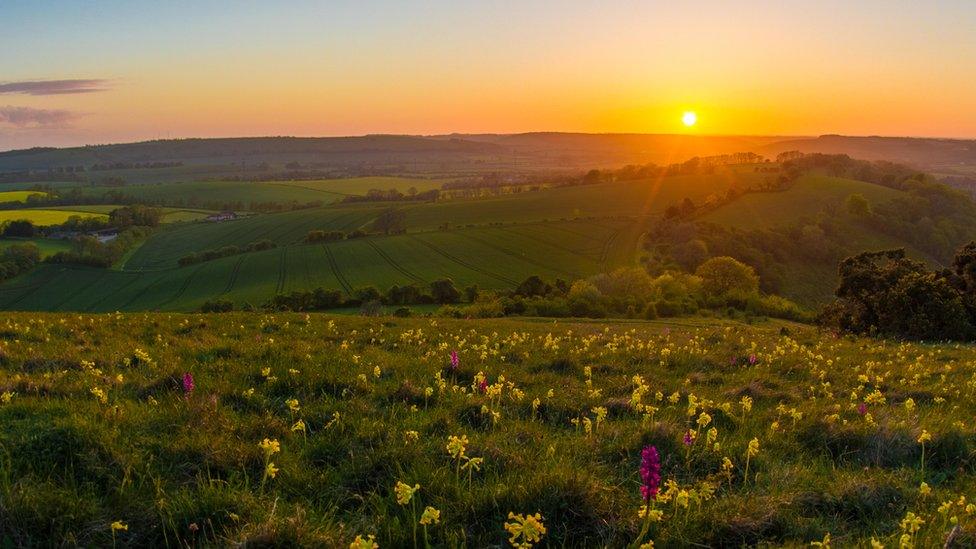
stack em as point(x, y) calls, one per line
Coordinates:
point(225, 150)
point(482, 153)
point(923, 153)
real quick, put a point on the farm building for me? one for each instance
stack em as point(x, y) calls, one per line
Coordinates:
point(222, 216)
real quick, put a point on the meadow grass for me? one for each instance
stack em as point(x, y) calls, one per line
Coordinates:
point(854, 439)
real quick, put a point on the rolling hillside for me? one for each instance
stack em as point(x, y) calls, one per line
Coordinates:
point(492, 257)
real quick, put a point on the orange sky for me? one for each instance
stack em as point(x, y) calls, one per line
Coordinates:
point(312, 68)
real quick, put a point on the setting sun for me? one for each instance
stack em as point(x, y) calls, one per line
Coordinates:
point(689, 118)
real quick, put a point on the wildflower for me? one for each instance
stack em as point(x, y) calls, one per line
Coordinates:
point(862, 408)
point(364, 543)
point(188, 384)
point(924, 489)
point(753, 448)
point(298, 426)
point(410, 436)
point(524, 530)
point(270, 470)
point(404, 492)
point(270, 446)
point(455, 360)
point(753, 359)
point(99, 394)
point(292, 404)
point(430, 516)
point(6, 397)
point(457, 445)
point(650, 472)
point(119, 526)
point(689, 438)
point(924, 437)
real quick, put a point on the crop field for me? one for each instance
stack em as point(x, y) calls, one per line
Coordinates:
point(224, 192)
point(247, 192)
point(805, 198)
point(170, 215)
point(18, 196)
point(167, 245)
point(621, 199)
point(43, 217)
point(318, 430)
point(490, 257)
point(46, 246)
point(362, 185)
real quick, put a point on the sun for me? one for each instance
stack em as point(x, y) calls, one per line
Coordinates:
point(689, 118)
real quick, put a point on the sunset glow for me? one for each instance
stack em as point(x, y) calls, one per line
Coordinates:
point(346, 68)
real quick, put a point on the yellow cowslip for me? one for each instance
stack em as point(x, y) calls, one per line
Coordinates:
point(753, 448)
point(430, 516)
point(364, 543)
point(456, 446)
point(404, 492)
point(270, 469)
point(924, 437)
point(270, 447)
point(524, 531)
point(292, 404)
point(119, 526)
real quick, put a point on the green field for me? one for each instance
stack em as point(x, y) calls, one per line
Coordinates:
point(242, 194)
point(805, 198)
point(46, 246)
point(43, 217)
point(490, 257)
point(97, 428)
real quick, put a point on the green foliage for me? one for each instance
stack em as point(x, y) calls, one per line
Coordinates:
point(722, 277)
point(886, 293)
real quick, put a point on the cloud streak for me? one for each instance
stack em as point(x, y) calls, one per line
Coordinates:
point(27, 117)
point(55, 87)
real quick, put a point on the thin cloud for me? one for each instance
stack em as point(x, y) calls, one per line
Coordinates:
point(27, 117)
point(55, 87)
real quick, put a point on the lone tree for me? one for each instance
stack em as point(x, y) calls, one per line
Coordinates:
point(443, 291)
point(723, 276)
point(390, 220)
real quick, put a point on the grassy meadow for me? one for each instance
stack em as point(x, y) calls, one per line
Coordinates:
point(164, 429)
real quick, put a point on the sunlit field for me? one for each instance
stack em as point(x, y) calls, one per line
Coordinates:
point(152, 429)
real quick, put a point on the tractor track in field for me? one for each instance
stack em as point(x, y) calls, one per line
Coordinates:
point(516, 255)
point(137, 295)
point(233, 276)
point(79, 291)
point(183, 287)
point(335, 270)
point(401, 269)
point(560, 227)
point(282, 270)
point(549, 243)
point(308, 269)
point(33, 288)
point(463, 263)
point(132, 279)
point(605, 254)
